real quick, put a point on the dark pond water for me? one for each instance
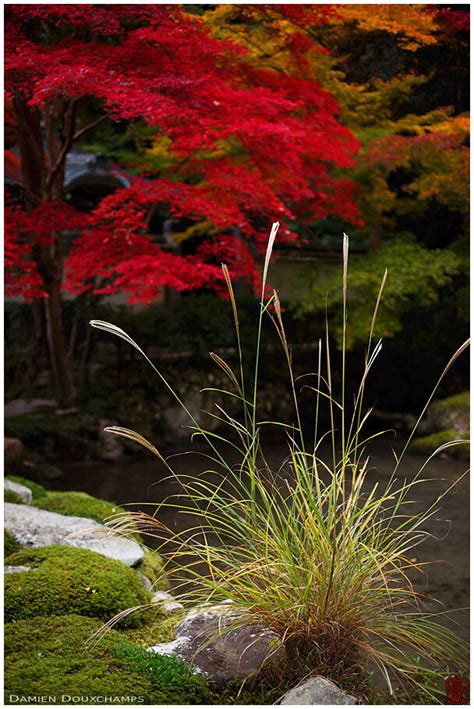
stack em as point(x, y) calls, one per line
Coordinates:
point(142, 480)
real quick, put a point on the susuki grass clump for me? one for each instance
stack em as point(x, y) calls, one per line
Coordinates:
point(314, 549)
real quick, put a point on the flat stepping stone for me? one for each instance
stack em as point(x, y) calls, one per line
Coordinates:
point(33, 527)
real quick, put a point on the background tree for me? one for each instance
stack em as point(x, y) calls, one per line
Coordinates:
point(245, 145)
point(397, 72)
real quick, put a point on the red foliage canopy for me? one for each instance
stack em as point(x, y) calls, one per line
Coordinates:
point(158, 62)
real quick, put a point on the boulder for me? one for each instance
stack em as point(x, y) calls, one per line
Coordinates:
point(13, 449)
point(220, 643)
point(20, 490)
point(16, 569)
point(317, 690)
point(33, 527)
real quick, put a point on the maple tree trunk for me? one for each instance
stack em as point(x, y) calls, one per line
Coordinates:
point(41, 183)
point(57, 347)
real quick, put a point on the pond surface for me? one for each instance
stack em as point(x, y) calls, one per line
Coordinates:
point(142, 480)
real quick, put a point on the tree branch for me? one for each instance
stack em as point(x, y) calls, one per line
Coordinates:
point(68, 135)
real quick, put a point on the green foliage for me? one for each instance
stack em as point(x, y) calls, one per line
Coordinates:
point(53, 657)
point(70, 580)
point(12, 496)
point(415, 276)
point(10, 544)
point(38, 491)
point(78, 504)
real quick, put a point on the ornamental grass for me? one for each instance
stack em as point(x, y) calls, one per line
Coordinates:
point(315, 550)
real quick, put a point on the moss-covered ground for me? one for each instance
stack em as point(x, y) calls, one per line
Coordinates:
point(70, 580)
point(54, 657)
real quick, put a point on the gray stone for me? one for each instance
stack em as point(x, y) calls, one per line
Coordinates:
point(145, 581)
point(220, 643)
point(33, 527)
point(167, 602)
point(161, 596)
point(12, 449)
point(317, 690)
point(22, 491)
point(16, 569)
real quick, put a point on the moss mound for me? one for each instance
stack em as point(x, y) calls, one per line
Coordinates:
point(78, 504)
point(49, 657)
point(428, 444)
point(12, 496)
point(10, 544)
point(456, 405)
point(38, 491)
point(69, 580)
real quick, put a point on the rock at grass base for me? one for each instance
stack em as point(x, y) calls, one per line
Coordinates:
point(22, 491)
point(33, 527)
point(16, 569)
point(317, 690)
point(222, 647)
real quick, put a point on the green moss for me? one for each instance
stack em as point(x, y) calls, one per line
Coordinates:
point(171, 680)
point(12, 496)
point(452, 412)
point(78, 504)
point(152, 568)
point(428, 444)
point(458, 402)
point(38, 491)
point(10, 544)
point(159, 628)
point(69, 580)
point(49, 657)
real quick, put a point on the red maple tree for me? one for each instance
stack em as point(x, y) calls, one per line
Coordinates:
point(159, 63)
